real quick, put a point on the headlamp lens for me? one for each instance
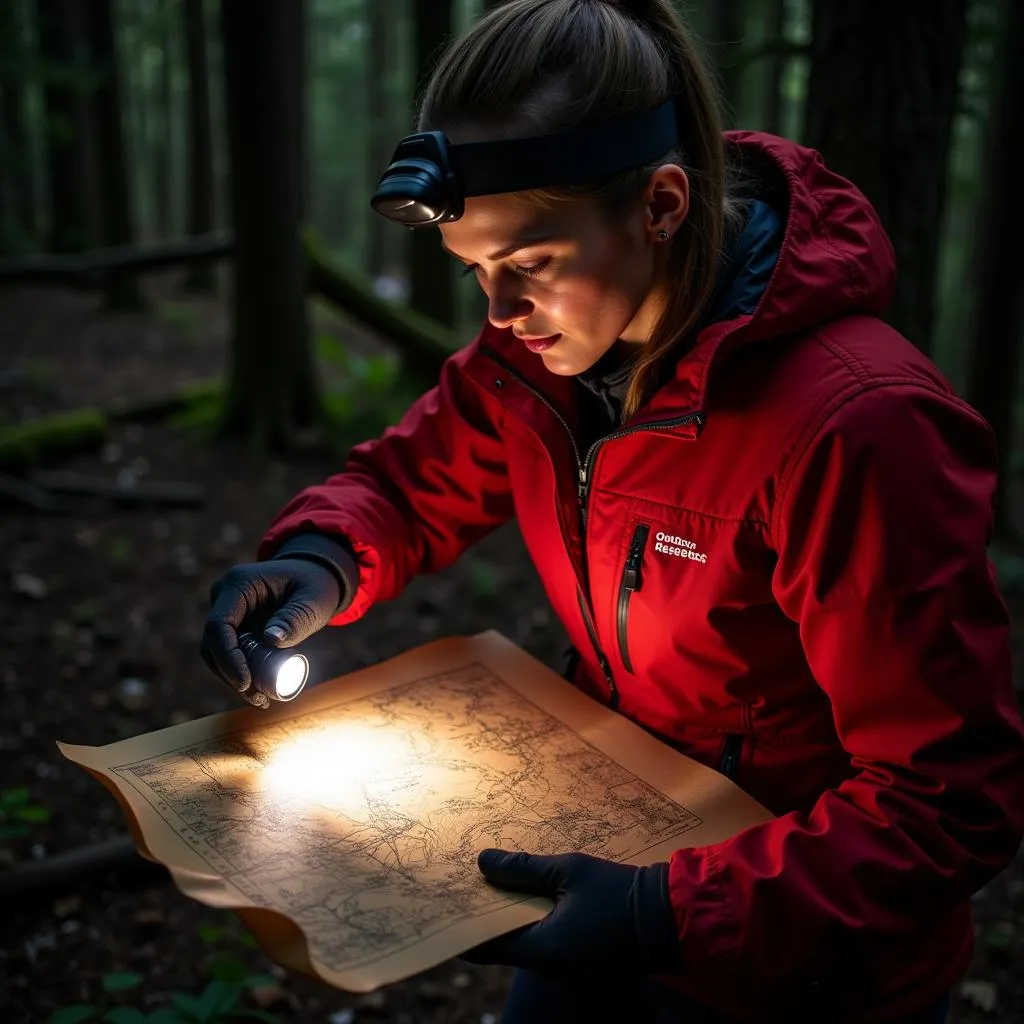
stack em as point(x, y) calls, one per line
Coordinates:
point(407, 209)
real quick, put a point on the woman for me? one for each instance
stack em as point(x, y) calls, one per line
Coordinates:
point(760, 513)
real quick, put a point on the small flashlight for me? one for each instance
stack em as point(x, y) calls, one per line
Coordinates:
point(281, 675)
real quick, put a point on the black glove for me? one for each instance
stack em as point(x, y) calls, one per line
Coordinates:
point(287, 598)
point(607, 916)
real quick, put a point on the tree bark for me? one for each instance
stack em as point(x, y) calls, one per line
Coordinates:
point(68, 158)
point(882, 95)
point(378, 112)
point(775, 28)
point(161, 113)
point(200, 140)
point(17, 206)
point(271, 391)
point(725, 27)
point(999, 259)
point(433, 281)
point(122, 290)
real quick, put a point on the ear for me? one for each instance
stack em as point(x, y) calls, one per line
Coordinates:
point(667, 200)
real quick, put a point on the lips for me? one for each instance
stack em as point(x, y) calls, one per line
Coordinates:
point(539, 344)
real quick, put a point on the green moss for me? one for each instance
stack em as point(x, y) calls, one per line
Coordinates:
point(53, 436)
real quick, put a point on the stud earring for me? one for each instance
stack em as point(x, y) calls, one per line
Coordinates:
point(662, 235)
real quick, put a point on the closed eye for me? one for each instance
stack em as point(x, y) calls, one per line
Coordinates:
point(533, 270)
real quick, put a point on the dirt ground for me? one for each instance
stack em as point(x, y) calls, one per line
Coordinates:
point(101, 614)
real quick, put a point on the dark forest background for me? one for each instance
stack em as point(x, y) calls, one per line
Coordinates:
point(199, 311)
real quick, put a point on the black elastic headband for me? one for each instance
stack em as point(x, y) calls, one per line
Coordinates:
point(567, 158)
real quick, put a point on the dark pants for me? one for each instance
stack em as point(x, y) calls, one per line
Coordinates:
point(538, 999)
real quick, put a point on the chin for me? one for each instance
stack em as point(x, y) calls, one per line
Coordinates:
point(564, 361)
point(561, 366)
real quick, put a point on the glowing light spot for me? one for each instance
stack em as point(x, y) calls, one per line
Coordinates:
point(337, 765)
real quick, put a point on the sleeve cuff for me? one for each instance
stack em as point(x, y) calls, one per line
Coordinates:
point(655, 920)
point(330, 550)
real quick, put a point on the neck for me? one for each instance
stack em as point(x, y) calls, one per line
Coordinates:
point(640, 330)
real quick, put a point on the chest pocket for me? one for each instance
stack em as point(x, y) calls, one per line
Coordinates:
point(684, 585)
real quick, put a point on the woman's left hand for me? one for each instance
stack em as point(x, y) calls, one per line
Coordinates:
point(605, 915)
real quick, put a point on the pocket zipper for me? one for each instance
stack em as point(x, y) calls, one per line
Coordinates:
point(732, 748)
point(630, 583)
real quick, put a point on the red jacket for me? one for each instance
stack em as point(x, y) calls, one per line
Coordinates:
point(778, 566)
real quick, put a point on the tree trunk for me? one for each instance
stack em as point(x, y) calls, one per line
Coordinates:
point(68, 157)
point(999, 259)
point(161, 113)
point(775, 30)
point(200, 140)
point(882, 95)
point(378, 110)
point(17, 206)
point(122, 291)
point(218, 110)
point(271, 388)
point(725, 28)
point(433, 281)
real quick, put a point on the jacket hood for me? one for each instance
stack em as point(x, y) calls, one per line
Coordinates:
point(835, 256)
point(834, 259)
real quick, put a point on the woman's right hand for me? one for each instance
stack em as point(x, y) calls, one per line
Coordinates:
point(294, 597)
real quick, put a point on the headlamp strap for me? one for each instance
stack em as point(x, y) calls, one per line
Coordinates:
point(572, 157)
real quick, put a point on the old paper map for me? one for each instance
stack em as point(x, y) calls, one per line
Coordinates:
point(345, 826)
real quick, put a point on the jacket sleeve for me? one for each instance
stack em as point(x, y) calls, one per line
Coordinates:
point(413, 500)
point(881, 525)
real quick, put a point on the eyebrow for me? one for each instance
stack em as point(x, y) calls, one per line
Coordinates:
point(522, 243)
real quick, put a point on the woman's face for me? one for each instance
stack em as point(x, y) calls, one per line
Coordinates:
point(568, 282)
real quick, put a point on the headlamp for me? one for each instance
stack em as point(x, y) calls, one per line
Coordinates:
point(428, 178)
point(281, 675)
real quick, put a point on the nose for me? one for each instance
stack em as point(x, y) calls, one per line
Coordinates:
point(506, 303)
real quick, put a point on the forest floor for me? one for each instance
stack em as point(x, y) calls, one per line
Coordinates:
point(100, 615)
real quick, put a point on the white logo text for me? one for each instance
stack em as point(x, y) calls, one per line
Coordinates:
point(669, 545)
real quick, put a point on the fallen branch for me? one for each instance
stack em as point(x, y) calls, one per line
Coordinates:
point(162, 494)
point(423, 342)
point(159, 407)
point(46, 878)
point(15, 491)
point(92, 270)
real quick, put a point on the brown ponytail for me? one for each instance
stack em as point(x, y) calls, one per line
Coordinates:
point(535, 66)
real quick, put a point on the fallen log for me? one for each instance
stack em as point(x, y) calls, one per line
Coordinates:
point(149, 493)
point(20, 493)
point(61, 872)
point(54, 436)
point(159, 407)
point(423, 342)
point(92, 270)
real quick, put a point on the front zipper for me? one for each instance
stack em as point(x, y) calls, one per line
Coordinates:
point(613, 690)
point(629, 585)
point(583, 466)
point(732, 748)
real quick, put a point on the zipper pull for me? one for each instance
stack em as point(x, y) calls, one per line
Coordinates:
point(631, 573)
point(613, 690)
point(581, 489)
point(632, 570)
